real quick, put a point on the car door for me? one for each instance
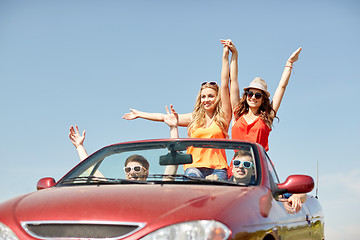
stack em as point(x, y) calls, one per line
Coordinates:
point(291, 225)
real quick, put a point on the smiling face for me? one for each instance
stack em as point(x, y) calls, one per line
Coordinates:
point(251, 99)
point(135, 171)
point(208, 98)
point(242, 173)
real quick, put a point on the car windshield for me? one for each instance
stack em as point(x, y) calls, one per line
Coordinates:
point(164, 161)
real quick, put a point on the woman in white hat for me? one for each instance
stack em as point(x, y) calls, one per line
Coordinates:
point(254, 112)
point(210, 119)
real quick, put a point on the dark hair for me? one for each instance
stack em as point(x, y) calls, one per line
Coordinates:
point(242, 153)
point(267, 113)
point(138, 158)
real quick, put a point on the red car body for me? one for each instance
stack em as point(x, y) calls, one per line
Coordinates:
point(251, 212)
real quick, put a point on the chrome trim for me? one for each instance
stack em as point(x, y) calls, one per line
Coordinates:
point(25, 223)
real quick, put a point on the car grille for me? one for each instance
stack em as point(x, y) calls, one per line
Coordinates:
point(78, 230)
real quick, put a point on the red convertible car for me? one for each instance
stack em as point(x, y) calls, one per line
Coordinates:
point(138, 190)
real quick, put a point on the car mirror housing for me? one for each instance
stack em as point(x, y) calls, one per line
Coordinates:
point(44, 183)
point(296, 184)
point(175, 158)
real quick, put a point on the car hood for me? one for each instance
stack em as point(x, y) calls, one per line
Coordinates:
point(132, 203)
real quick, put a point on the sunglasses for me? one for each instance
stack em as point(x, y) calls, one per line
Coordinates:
point(249, 94)
point(211, 83)
point(135, 168)
point(246, 164)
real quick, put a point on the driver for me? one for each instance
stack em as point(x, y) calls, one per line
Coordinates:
point(136, 167)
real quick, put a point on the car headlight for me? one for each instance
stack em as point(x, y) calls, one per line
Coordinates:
point(6, 233)
point(194, 230)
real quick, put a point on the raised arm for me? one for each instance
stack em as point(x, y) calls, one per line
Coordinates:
point(234, 84)
point(225, 74)
point(78, 141)
point(184, 119)
point(280, 90)
point(172, 120)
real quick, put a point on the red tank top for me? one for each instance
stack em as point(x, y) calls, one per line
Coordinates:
point(256, 131)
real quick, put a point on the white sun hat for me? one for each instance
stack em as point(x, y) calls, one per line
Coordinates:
point(258, 83)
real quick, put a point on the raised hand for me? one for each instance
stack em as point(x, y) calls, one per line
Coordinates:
point(225, 49)
point(228, 43)
point(295, 55)
point(75, 136)
point(171, 119)
point(133, 114)
point(225, 42)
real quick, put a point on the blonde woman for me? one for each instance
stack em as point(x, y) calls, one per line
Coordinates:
point(210, 119)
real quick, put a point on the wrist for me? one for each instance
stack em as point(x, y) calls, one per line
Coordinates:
point(234, 55)
point(79, 146)
point(289, 64)
point(139, 114)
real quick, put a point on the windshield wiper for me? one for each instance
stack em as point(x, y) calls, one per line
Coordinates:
point(88, 179)
point(187, 179)
point(99, 180)
point(153, 178)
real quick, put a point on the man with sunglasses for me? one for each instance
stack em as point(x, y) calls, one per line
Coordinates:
point(243, 170)
point(136, 167)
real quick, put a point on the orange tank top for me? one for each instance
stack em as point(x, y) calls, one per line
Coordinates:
point(208, 158)
point(256, 131)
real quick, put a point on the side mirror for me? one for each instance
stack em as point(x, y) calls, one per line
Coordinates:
point(45, 183)
point(296, 184)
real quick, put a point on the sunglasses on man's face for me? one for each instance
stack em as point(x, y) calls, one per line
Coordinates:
point(249, 94)
point(135, 168)
point(246, 164)
point(211, 83)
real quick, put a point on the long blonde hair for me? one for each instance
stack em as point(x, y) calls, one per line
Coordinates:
point(198, 114)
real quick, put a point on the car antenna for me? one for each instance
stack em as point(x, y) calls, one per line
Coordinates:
point(317, 179)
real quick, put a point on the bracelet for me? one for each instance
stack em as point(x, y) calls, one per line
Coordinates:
point(290, 61)
point(289, 66)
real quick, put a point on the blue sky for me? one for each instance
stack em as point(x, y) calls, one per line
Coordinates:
point(87, 62)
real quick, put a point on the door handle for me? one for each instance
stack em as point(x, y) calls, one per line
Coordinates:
point(308, 219)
